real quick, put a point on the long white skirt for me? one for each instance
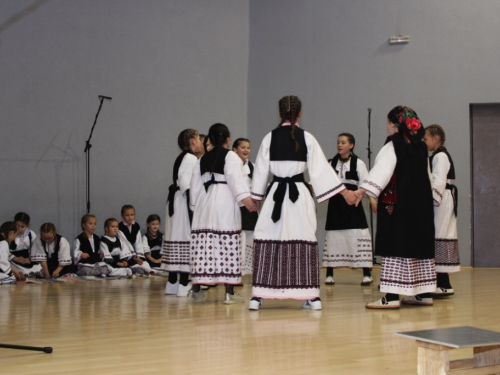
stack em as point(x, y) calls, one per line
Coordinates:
point(348, 248)
point(176, 240)
point(247, 251)
point(407, 276)
point(286, 259)
point(215, 253)
point(446, 242)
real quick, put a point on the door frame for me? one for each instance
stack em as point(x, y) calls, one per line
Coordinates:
point(471, 155)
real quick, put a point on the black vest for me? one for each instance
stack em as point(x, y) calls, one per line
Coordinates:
point(352, 174)
point(451, 172)
point(216, 158)
point(55, 254)
point(130, 235)
point(111, 246)
point(407, 229)
point(282, 145)
point(248, 219)
point(86, 247)
point(250, 165)
point(340, 215)
point(155, 242)
point(24, 253)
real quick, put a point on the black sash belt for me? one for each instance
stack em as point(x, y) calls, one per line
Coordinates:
point(212, 182)
point(171, 194)
point(454, 194)
point(279, 194)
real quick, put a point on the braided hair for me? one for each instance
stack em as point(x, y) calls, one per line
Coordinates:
point(289, 109)
point(436, 129)
point(184, 139)
point(49, 228)
point(22, 217)
point(217, 134)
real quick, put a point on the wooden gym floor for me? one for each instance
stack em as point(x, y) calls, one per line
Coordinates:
point(131, 327)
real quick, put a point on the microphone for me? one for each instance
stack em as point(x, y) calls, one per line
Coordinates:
point(101, 97)
point(369, 110)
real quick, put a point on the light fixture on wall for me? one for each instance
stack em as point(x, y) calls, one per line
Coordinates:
point(399, 39)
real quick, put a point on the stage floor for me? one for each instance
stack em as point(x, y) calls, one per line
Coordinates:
point(131, 327)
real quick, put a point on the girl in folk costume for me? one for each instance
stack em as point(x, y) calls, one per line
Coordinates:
point(8, 232)
point(348, 242)
point(248, 219)
point(152, 242)
point(445, 214)
point(116, 251)
point(405, 217)
point(175, 255)
point(53, 252)
point(286, 262)
point(218, 187)
point(130, 231)
point(20, 248)
point(87, 255)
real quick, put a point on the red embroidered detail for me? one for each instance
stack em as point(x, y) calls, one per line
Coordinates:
point(390, 196)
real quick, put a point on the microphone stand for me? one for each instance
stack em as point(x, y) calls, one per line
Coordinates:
point(370, 167)
point(87, 151)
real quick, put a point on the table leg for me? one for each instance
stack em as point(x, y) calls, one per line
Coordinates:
point(432, 359)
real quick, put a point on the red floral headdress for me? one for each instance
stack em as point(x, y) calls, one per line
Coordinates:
point(408, 123)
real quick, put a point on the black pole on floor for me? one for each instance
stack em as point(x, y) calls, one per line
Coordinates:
point(46, 349)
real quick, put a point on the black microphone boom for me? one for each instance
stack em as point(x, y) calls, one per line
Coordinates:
point(88, 146)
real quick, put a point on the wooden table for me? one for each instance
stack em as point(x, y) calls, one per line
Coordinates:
point(434, 344)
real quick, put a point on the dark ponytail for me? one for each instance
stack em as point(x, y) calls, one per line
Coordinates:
point(184, 139)
point(217, 135)
point(289, 108)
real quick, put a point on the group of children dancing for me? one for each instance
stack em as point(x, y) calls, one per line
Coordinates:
point(213, 234)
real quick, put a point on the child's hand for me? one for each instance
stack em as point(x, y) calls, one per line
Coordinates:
point(19, 275)
point(101, 255)
point(158, 261)
point(138, 260)
point(55, 274)
point(85, 255)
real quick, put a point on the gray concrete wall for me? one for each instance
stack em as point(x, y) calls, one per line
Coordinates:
point(335, 56)
point(167, 64)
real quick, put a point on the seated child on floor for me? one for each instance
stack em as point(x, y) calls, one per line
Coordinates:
point(53, 252)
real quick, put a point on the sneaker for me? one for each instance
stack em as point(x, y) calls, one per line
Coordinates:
point(442, 292)
point(182, 291)
point(255, 303)
point(312, 304)
point(329, 280)
point(417, 300)
point(232, 299)
point(383, 304)
point(171, 288)
point(367, 280)
point(196, 296)
point(205, 287)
